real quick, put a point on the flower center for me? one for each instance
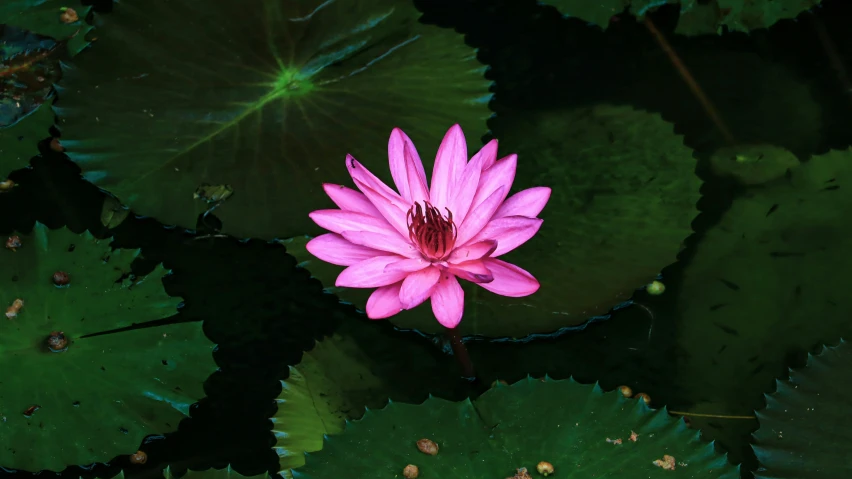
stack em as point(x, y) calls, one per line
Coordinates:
point(433, 234)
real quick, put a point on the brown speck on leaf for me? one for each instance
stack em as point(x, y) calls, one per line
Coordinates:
point(31, 410)
point(544, 468)
point(57, 342)
point(411, 471)
point(68, 15)
point(139, 458)
point(613, 441)
point(633, 436)
point(13, 310)
point(667, 463)
point(427, 446)
point(521, 474)
point(13, 243)
point(61, 278)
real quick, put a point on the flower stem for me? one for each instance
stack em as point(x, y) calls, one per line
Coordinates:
point(460, 352)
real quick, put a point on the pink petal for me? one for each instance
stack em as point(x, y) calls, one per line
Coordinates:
point(448, 301)
point(370, 273)
point(474, 271)
point(501, 174)
point(350, 200)
point(387, 243)
point(401, 151)
point(416, 177)
point(472, 251)
point(338, 221)
point(407, 265)
point(392, 207)
point(510, 232)
point(449, 163)
point(384, 302)
point(417, 287)
point(479, 217)
point(509, 280)
point(489, 151)
point(527, 203)
point(333, 249)
point(465, 188)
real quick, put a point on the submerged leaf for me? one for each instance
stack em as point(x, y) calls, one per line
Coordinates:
point(697, 17)
point(225, 473)
point(806, 428)
point(29, 65)
point(578, 429)
point(752, 164)
point(770, 279)
point(69, 395)
point(264, 96)
point(49, 18)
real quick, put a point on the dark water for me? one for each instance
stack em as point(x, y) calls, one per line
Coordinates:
point(263, 311)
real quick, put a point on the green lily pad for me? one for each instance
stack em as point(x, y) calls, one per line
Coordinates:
point(331, 384)
point(19, 141)
point(624, 196)
point(597, 13)
point(260, 98)
point(102, 395)
point(574, 427)
point(44, 17)
point(697, 17)
point(767, 281)
point(806, 429)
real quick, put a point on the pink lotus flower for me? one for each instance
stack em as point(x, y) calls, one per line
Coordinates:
point(412, 245)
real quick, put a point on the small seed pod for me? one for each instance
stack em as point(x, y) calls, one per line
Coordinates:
point(61, 278)
point(6, 185)
point(56, 145)
point(411, 471)
point(655, 288)
point(139, 458)
point(427, 446)
point(68, 15)
point(644, 397)
point(13, 243)
point(12, 311)
point(625, 391)
point(544, 468)
point(57, 342)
